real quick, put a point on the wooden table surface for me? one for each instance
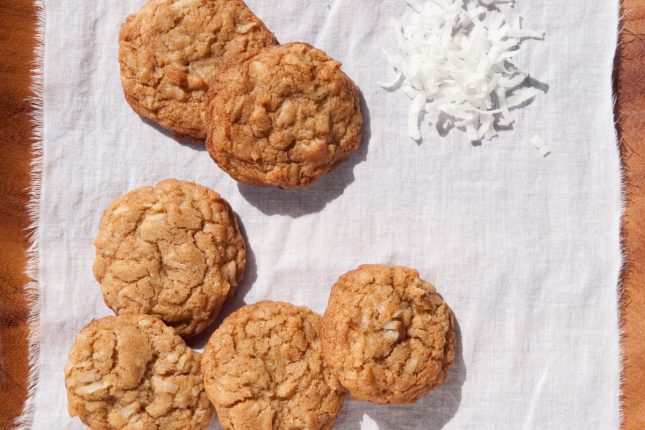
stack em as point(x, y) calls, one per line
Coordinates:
point(16, 56)
point(16, 59)
point(630, 112)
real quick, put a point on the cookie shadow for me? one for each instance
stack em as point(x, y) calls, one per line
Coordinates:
point(195, 144)
point(235, 302)
point(299, 202)
point(431, 412)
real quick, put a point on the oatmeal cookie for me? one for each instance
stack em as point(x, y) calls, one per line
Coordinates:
point(387, 335)
point(173, 251)
point(263, 370)
point(284, 116)
point(134, 372)
point(170, 50)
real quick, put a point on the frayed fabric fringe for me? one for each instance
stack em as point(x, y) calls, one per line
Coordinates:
point(23, 422)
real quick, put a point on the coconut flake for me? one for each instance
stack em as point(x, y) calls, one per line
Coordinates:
point(394, 83)
point(522, 95)
point(455, 58)
point(540, 145)
point(417, 105)
point(367, 423)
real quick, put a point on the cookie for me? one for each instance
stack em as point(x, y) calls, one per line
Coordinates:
point(173, 251)
point(387, 335)
point(134, 372)
point(284, 116)
point(263, 370)
point(170, 50)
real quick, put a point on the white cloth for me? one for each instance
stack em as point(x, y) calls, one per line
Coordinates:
point(525, 249)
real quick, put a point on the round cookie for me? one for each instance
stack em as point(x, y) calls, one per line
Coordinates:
point(173, 250)
point(134, 372)
point(387, 335)
point(263, 369)
point(284, 116)
point(170, 50)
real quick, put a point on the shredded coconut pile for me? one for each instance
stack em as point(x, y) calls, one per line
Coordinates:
point(454, 61)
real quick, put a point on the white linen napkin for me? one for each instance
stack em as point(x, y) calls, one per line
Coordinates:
point(525, 249)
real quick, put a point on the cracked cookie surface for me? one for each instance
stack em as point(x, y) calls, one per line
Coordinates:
point(134, 372)
point(170, 50)
point(263, 370)
point(173, 251)
point(387, 335)
point(284, 116)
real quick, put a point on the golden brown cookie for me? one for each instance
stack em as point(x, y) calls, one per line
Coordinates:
point(173, 250)
point(284, 116)
point(170, 50)
point(134, 372)
point(263, 370)
point(387, 335)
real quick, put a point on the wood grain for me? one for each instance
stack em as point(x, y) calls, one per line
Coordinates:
point(16, 48)
point(630, 90)
point(16, 55)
